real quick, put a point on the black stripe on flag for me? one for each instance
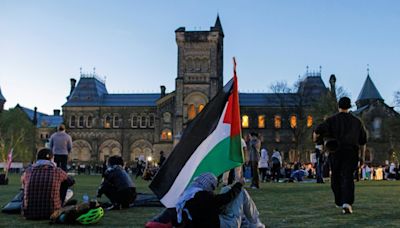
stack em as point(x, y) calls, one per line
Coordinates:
point(195, 133)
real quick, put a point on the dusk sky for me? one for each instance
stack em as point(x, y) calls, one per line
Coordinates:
point(44, 43)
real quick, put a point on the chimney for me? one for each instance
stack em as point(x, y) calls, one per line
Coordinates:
point(73, 83)
point(162, 91)
point(56, 112)
point(35, 119)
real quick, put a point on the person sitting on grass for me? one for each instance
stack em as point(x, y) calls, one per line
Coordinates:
point(45, 187)
point(198, 206)
point(117, 185)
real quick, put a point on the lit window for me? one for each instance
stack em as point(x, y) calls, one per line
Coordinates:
point(166, 134)
point(116, 122)
point(72, 121)
point(245, 121)
point(309, 121)
point(293, 121)
point(89, 122)
point(261, 121)
point(80, 122)
point(191, 112)
point(278, 122)
point(107, 122)
point(201, 106)
point(134, 123)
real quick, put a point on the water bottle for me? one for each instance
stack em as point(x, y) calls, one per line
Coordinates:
point(85, 198)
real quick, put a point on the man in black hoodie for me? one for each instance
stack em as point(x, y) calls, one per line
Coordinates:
point(117, 185)
point(346, 133)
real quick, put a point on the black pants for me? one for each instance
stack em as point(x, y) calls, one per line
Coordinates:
point(255, 181)
point(276, 171)
point(123, 197)
point(263, 172)
point(343, 164)
point(61, 161)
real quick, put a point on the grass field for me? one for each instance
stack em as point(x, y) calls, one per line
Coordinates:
point(280, 204)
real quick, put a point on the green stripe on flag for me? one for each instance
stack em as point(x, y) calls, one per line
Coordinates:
point(217, 161)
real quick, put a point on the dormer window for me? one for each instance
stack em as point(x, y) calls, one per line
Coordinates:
point(151, 120)
point(72, 122)
point(116, 121)
point(89, 122)
point(80, 122)
point(134, 121)
point(143, 121)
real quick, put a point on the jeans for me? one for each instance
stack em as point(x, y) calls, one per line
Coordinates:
point(241, 212)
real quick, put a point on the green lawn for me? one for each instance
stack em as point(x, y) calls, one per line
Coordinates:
point(280, 204)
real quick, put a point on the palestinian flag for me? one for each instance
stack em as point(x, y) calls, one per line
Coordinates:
point(210, 143)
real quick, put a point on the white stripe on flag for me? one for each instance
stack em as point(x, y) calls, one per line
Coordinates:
point(221, 132)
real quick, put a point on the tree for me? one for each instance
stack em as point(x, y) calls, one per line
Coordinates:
point(397, 98)
point(17, 132)
point(301, 132)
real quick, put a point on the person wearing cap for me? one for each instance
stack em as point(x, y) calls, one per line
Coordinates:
point(45, 187)
point(61, 145)
point(349, 135)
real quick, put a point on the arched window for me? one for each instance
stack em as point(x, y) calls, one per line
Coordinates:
point(191, 112)
point(116, 121)
point(151, 120)
point(309, 121)
point(89, 122)
point(143, 121)
point(134, 121)
point(376, 127)
point(80, 122)
point(107, 122)
point(293, 121)
point(245, 121)
point(166, 134)
point(201, 106)
point(277, 121)
point(72, 121)
point(261, 121)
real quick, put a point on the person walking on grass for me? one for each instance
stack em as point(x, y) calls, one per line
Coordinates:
point(348, 134)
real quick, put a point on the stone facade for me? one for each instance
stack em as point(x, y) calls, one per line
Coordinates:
point(141, 125)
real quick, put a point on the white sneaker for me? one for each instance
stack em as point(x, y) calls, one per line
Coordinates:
point(347, 209)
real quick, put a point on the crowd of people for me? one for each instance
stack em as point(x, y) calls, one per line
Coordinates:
point(45, 183)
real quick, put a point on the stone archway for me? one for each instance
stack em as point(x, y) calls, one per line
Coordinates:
point(108, 148)
point(140, 148)
point(81, 150)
